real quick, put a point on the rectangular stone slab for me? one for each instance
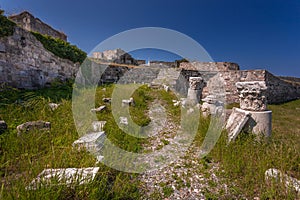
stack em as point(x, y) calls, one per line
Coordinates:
point(63, 176)
point(236, 122)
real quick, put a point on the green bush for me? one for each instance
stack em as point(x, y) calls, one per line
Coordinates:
point(61, 48)
point(6, 26)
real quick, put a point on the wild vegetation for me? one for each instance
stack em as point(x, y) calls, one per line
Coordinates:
point(242, 163)
point(6, 26)
point(61, 48)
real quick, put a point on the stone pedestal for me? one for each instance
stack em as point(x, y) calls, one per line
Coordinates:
point(260, 123)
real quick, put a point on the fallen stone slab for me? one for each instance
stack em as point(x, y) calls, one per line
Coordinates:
point(63, 176)
point(3, 126)
point(53, 106)
point(98, 125)
point(129, 102)
point(92, 142)
point(277, 175)
point(99, 109)
point(236, 122)
point(28, 126)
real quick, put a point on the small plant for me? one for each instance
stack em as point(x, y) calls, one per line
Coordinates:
point(6, 26)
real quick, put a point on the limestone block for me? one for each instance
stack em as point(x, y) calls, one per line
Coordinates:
point(63, 176)
point(236, 122)
point(53, 106)
point(28, 126)
point(129, 102)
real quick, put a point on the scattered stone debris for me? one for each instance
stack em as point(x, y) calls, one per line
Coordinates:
point(98, 125)
point(124, 120)
point(277, 175)
point(63, 176)
point(53, 106)
point(106, 100)
point(129, 102)
point(236, 122)
point(92, 142)
point(3, 126)
point(176, 103)
point(99, 109)
point(28, 126)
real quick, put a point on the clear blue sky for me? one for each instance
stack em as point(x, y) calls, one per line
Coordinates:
point(254, 33)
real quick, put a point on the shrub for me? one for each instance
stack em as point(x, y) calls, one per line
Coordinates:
point(61, 48)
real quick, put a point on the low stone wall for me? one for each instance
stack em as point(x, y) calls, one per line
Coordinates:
point(25, 63)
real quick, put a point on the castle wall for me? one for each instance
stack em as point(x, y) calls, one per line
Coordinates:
point(30, 23)
point(25, 63)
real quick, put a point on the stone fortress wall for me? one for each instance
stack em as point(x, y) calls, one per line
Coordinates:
point(28, 22)
point(25, 63)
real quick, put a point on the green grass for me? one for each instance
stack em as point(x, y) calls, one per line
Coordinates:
point(246, 160)
point(23, 158)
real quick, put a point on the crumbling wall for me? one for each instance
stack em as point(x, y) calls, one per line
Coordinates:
point(25, 63)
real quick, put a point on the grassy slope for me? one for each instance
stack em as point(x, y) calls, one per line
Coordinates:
point(22, 158)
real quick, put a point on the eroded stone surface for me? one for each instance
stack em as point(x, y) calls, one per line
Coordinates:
point(28, 126)
point(252, 95)
point(63, 176)
point(236, 122)
point(129, 102)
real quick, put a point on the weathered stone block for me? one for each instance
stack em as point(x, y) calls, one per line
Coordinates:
point(3, 126)
point(28, 126)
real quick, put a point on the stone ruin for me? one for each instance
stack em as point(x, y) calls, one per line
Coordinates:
point(253, 115)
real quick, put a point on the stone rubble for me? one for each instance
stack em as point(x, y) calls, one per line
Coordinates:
point(98, 126)
point(123, 120)
point(128, 102)
point(28, 126)
point(99, 109)
point(53, 106)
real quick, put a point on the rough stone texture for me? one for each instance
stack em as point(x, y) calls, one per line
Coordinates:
point(252, 95)
point(27, 64)
point(195, 89)
point(28, 22)
point(288, 181)
point(99, 109)
point(278, 89)
point(3, 126)
point(211, 106)
point(28, 126)
point(63, 176)
point(236, 122)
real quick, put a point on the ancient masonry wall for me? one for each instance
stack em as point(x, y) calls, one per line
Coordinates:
point(278, 90)
point(25, 63)
point(28, 22)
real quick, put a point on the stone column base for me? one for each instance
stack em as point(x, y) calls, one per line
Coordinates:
point(194, 96)
point(260, 123)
